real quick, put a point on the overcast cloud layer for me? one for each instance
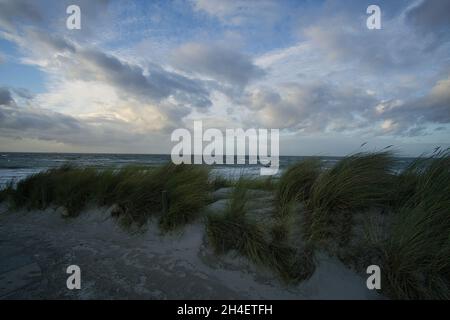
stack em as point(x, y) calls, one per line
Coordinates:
point(135, 72)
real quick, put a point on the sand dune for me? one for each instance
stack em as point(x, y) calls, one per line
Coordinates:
point(37, 246)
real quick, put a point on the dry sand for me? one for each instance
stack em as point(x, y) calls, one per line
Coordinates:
point(36, 248)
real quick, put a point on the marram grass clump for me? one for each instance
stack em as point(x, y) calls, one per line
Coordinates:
point(295, 185)
point(357, 182)
point(416, 253)
point(296, 182)
point(235, 230)
point(137, 191)
point(411, 240)
point(188, 193)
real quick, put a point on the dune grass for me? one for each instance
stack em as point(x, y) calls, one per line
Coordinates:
point(188, 192)
point(295, 185)
point(217, 182)
point(297, 180)
point(135, 190)
point(235, 230)
point(357, 182)
point(416, 253)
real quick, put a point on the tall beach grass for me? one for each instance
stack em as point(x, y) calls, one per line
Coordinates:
point(416, 253)
point(135, 191)
point(234, 230)
point(358, 182)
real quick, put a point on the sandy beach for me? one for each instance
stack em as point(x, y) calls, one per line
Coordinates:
point(36, 247)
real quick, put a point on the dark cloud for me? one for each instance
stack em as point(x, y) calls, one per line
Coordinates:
point(431, 17)
point(51, 43)
point(23, 93)
point(53, 126)
point(241, 12)
point(5, 97)
point(310, 108)
point(401, 44)
point(16, 12)
point(343, 39)
point(325, 108)
point(217, 62)
point(64, 58)
point(130, 79)
point(411, 117)
point(47, 124)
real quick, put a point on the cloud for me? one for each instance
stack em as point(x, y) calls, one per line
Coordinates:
point(23, 93)
point(321, 107)
point(412, 117)
point(353, 43)
point(16, 12)
point(101, 101)
point(239, 12)
point(48, 14)
point(217, 62)
point(410, 37)
point(105, 92)
point(430, 17)
point(70, 61)
point(316, 107)
point(158, 84)
point(43, 124)
point(47, 44)
point(5, 97)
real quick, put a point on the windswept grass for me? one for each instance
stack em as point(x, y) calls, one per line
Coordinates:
point(188, 193)
point(413, 248)
point(423, 178)
point(234, 230)
point(416, 254)
point(218, 182)
point(357, 182)
point(6, 192)
point(136, 190)
point(64, 186)
point(295, 185)
point(297, 180)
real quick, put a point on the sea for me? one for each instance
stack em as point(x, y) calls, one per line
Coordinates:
point(17, 166)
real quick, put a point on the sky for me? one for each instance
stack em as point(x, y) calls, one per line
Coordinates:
point(137, 70)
